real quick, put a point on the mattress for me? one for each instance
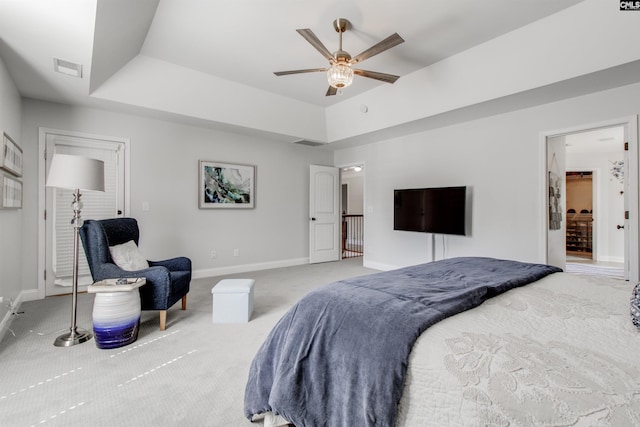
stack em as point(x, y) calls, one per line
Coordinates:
point(339, 356)
point(559, 352)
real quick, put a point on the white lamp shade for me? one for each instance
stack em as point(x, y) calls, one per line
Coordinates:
point(76, 173)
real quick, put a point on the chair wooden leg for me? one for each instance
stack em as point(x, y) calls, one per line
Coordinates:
point(163, 320)
point(184, 302)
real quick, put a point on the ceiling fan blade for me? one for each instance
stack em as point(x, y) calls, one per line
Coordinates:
point(309, 70)
point(315, 42)
point(387, 78)
point(331, 91)
point(388, 43)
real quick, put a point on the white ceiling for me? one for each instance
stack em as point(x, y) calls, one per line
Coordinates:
point(246, 41)
point(241, 42)
point(604, 140)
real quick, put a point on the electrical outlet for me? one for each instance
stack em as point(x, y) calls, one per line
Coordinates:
point(214, 254)
point(236, 252)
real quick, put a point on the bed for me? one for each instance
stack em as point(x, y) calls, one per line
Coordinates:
point(547, 349)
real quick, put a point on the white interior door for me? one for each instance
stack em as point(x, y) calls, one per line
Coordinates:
point(59, 231)
point(324, 214)
point(556, 197)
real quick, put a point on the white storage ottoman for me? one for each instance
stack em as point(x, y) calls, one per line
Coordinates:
point(232, 301)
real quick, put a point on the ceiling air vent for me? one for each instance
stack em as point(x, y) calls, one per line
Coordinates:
point(307, 142)
point(67, 67)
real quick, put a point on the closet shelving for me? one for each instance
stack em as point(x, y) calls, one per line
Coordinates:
point(580, 233)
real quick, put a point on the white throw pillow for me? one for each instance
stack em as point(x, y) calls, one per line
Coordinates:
point(128, 257)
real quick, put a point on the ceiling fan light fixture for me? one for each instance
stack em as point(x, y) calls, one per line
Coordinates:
point(340, 75)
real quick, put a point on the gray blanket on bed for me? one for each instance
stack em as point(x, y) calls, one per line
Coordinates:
point(338, 357)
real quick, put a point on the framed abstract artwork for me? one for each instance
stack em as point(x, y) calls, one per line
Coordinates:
point(10, 156)
point(226, 185)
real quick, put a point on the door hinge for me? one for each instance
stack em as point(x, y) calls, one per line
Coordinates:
point(44, 214)
point(626, 214)
point(626, 146)
point(45, 275)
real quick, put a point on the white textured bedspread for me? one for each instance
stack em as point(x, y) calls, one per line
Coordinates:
point(558, 352)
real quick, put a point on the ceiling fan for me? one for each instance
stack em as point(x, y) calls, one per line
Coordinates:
point(340, 72)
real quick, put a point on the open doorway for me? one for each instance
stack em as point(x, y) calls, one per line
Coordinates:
point(352, 203)
point(590, 237)
point(579, 235)
point(595, 238)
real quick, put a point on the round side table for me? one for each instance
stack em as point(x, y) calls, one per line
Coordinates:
point(116, 311)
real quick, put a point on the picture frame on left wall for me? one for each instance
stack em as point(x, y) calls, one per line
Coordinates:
point(10, 192)
point(226, 185)
point(10, 156)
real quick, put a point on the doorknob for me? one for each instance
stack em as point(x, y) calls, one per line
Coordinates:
point(313, 219)
point(619, 226)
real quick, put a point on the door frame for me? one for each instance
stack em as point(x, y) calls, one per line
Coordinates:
point(365, 208)
point(630, 124)
point(43, 132)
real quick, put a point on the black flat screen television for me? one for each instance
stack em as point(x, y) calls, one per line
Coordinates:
point(430, 210)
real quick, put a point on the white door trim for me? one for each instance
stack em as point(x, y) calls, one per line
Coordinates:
point(365, 209)
point(42, 143)
point(630, 124)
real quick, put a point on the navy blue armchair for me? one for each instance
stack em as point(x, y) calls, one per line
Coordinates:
point(167, 281)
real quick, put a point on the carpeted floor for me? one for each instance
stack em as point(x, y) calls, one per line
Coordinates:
point(191, 374)
point(595, 269)
point(591, 270)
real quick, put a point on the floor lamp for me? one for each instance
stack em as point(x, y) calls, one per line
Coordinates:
point(75, 173)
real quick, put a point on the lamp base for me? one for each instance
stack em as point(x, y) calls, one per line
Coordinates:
point(73, 337)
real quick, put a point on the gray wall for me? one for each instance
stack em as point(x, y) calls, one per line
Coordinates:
point(164, 173)
point(11, 220)
point(354, 182)
point(500, 158)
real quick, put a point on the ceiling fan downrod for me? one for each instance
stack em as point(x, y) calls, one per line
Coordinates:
point(341, 25)
point(340, 73)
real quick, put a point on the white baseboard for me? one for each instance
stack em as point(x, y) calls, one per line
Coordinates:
point(611, 259)
point(233, 269)
point(29, 295)
point(4, 324)
point(23, 296)
point(354, 241)
point(378, 265)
